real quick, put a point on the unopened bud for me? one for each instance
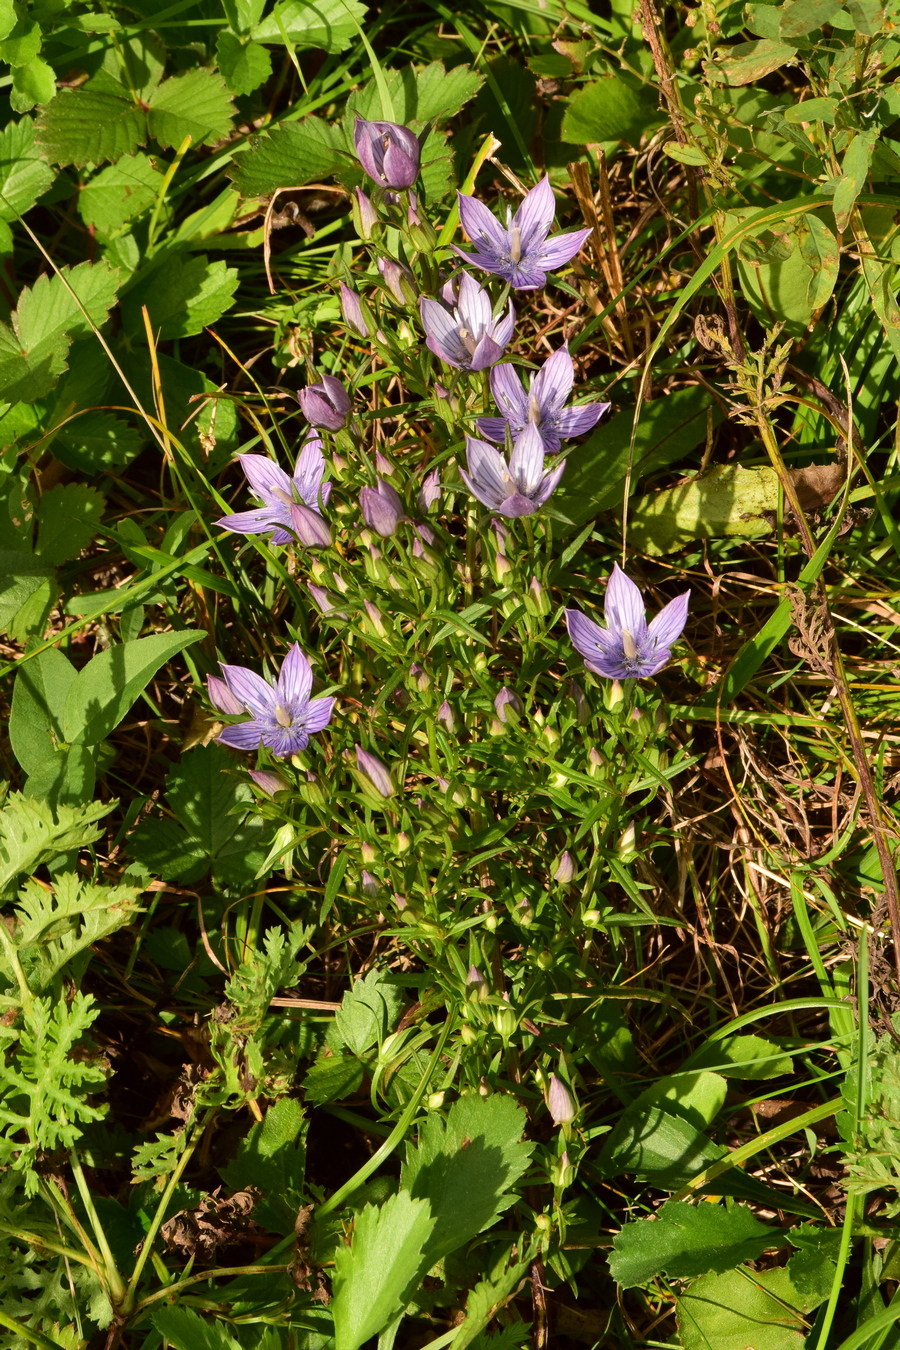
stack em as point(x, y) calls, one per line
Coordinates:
point(399, 281)
point(435, 1100)
point(221, 697)
point(325, 404)
point(614, 694)
point(365, 217)
point(508, 706)
point(420, 677)
point(374, 773)
point(505, 1021)
point(402, 842)
point(445, 717)
point(381, 507)
point(352, 311)
point(468, 1034)
point(592, 918)
point(430, 491)
point(559, 1102)
point(536, 600)
point(627, 845)
point(375, 619)
point(579, 698)
point(309, 527)
point(368, 884)
point(564, 870)
point(268, 781)
point(563, 1172)
point(476, 985)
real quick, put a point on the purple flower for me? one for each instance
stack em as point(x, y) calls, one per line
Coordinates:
point(381, 507)
point(518, 488)
point(399, 281)
point(559, 1102)
point(325, 404)
point(309, 526)
point(543, 404)
point(389, 153)
point(463, 331)
point(365, 217)
point(221, 697)
point(628, 648)
point(280, 493)
point(375, 772)
point(283, 716)
point(520, 251)
point(352, 312)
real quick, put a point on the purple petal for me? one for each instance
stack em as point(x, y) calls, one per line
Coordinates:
point(486, 352)
point(600, 651)
point(549, 484)
point(260, 521)
point(221, 697)
point(503, 329)
point(526, 463)
point(442, 335)
point(285, 741)
point(308, 473)
point(265, 477)
point(576, 421)
point(669, 623)
point(624, 606)
point(516, 506)
point(488, 499)
point(552, 385)
point(318, 714)
point(494, 428)
point(250, 689)
point(293, 685)
point(309, 527)
point(482, 227)
point(535, 216)
point(474, 305)
point(244, 736)
point(509, 395)
point(561, 249)
point(488, 470)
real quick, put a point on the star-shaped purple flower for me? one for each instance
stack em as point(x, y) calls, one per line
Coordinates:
point(543, 405)
point(518, 488)
point(279, 492)
point(283, 716)
point(463, 331)
point(628, 648)
point(520, 251)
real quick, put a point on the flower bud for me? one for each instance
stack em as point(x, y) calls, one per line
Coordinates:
point(309, 526)
point(563, 1173)
point(352, 311)
point(321, 597)
point(421, 677)
point(389, 153)
point(536, 601)
point(469, 1034)
point(579, 698)
point(365, 217)
point(564, 870)
point(435, 1100)
point(444, 716)
point(559, 1102)
point(326, 404)
point(614, 694)
point(505, 1021)
point(476, 986)
point(374, 772)
point(399, 281)
point(381, 507)
point(592, 918)
point(367, 852)
point(368, 884)
point(268, 781)
point(626, 847)
point(508, 706)
point(221, 697)
point(402, 842)
point(430, 491)
point(375, 619)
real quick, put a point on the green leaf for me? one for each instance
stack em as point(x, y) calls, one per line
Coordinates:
point(669, 429)
point(655, 1145)
point(765, 1309)
point(289, 156)
point(749, 62)
point(804, 16)
point(57, 928)
point(39, 692)
point(685, 1240)
point(32, 834)
point(610, 109)
point(28, 589)
point(332, 1078)
point(243, 14)
point(245, 65)
point(487, 1299)
point(745, 1056)
point(24, 177)
point(32, 84)
point(33, 350)
point(787, 273)
point(104, 690)
point(119, 194)
point(419, 95)
point(375, 1277)
point(466, 1168)
point(726, 501)
point(97, 442)
point(184, 294)
point(867, 16)
point(331, 25)
point(68, 519)
point(187, 1330)
point(272, 1157)
point(90, 125)
point(22, 44)
point(204, 797)
point(195, 103)
point(854, 171)
point(8, 18)
point(369, 1011)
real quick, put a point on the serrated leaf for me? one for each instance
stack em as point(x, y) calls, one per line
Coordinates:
point(97, 442)
point(289, 156)
point(684, 1241)
point(187, 1330)
point(369, 1011)
point(24, 176)
point(610, 109)
point(56, 928)
point(486, 1300)
point(183, 295)
point(272, 1157)
point(31, 834)
point(331, 1078)
point(466, 1168)
point(119, 194)
point(375, 1276)
point(245, 65)
point(104, 689)
point(330, 25)
point(68, 518)
point(194, 103)
point(28, 589)
point(419, 95)
point(91, 125)
point(33, 350)
point(766, 1309)
point(39, 693)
